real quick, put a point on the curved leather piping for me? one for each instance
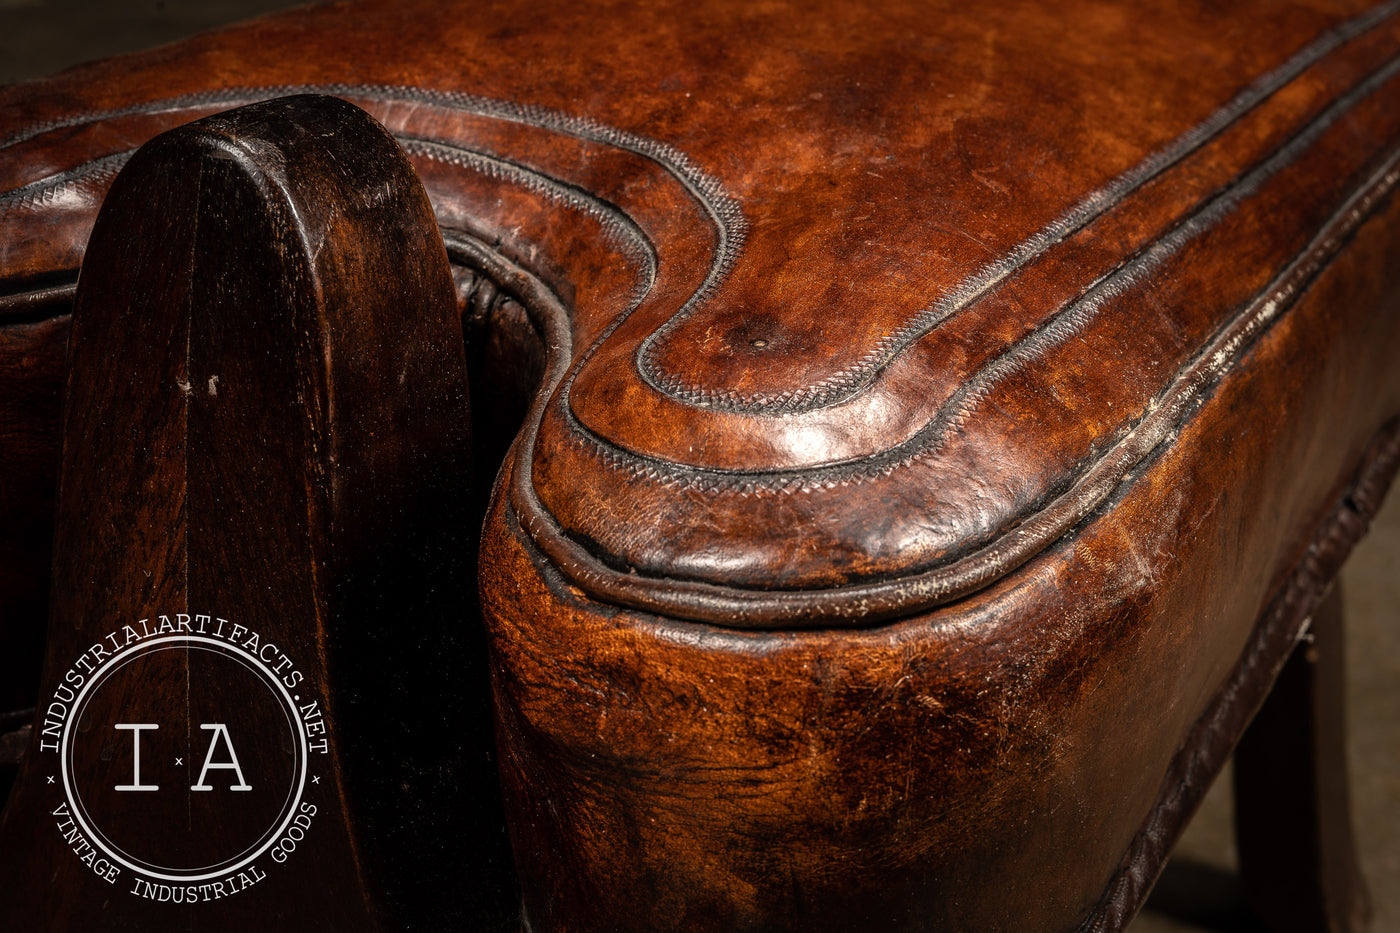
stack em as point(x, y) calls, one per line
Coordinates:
point(847, 383)
point(1061, 325)
point(868, 604)
point(730, 231)
point(874, 601)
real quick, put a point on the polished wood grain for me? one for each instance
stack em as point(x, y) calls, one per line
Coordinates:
point(258, 698)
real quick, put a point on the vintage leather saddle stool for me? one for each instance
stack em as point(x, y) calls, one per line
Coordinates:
point(907, 446)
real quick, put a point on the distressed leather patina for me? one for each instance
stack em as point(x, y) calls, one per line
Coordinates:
point(929, 425)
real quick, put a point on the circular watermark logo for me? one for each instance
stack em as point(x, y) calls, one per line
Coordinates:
point(185, 749)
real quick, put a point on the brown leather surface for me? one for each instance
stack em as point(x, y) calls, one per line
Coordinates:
point(863, 272)
point(1072, 320)
point(987, 766)
point(1284, 629)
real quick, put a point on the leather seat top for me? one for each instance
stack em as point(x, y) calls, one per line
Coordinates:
point(850, 313)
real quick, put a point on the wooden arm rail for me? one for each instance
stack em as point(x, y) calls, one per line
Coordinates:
point(262, 529)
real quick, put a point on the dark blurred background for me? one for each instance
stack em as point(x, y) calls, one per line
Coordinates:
point(39, 37)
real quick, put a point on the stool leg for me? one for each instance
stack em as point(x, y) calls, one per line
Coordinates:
point(1292, 811)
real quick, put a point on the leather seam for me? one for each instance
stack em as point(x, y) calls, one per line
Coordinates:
point(881, 600)
point(1058, 329)
point(846, 383)
point(1281, 624)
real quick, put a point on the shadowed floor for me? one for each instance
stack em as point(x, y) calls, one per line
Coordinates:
point(1199, 891)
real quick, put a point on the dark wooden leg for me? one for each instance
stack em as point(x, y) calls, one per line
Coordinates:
point(1292, 811)
point(261, 710)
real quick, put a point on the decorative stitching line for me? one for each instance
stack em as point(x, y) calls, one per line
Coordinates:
point(872, 602)
point(724, 213)
point(848, 382)
point(731, 227)
point(951, 417)
point(45, 190)
point(617, 225)
point(1246, 327)
point(957, 411)
point(619, 229)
